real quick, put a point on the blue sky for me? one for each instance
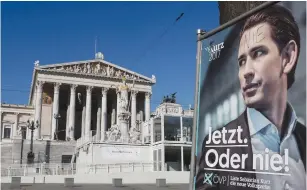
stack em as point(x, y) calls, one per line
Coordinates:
point(56, 32)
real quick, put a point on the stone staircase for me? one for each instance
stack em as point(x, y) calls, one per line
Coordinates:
point(6, 153)
point(47, 151)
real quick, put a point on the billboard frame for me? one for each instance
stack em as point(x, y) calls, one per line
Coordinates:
point(202, 35)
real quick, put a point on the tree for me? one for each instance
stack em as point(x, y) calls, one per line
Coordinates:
point(231, 9)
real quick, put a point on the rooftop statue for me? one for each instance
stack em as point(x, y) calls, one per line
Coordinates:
point(171, 99)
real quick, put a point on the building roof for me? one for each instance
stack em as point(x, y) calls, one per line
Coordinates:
point(96, 68)
point(16, 108)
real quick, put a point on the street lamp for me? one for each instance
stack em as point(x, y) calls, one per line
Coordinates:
point(56, 117)
point(32, 127)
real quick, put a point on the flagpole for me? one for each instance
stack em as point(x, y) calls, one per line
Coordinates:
point(95, 45)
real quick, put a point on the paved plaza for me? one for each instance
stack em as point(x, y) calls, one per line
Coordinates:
point(6, 186)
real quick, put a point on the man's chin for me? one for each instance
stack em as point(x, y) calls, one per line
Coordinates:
point(252, 102)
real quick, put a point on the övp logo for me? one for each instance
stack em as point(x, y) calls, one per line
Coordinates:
point(210, 179)
point(214, 50)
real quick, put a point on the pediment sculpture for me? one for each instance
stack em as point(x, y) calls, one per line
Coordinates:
point(97, 69)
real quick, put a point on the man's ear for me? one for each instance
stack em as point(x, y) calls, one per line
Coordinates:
point(289, 56)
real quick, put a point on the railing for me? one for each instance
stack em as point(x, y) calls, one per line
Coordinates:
point(116, 168)
point(37, 169)
point(71, 169)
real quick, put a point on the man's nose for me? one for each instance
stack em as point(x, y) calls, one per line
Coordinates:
point(249, 72)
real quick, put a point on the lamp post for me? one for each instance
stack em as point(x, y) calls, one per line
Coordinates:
point(56, 117)
point(32, 127)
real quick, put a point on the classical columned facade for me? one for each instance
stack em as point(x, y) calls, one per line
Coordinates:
point(83, 99)
point(14, 121)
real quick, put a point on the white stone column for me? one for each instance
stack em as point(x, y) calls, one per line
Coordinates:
point(38, 109)
point(162, 128)
point(181, 129)
point(152, 132)
point(72, 111)
point(15, 130)
point(113, 116)
point(147, 105)
point(67, 119)
point(98, 120)
point(163, 158)
point(182, 160)
point(34, 97)
point(117, 107)
point(88, 111)
point(133, 107)
point(55, 109)
point(104, 92)
point(83, 117)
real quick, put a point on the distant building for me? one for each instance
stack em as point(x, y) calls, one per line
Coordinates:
point(171, 137)
point(69, 101)
point(166, 144)
point(94, 113)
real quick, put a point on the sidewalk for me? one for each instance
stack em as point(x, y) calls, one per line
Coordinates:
point(97, 187)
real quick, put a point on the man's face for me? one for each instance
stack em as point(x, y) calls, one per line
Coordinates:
point(260, 66)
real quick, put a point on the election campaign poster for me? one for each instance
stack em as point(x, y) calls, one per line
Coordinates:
point(251, 103)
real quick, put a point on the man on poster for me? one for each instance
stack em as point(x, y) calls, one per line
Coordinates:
point(267, 58)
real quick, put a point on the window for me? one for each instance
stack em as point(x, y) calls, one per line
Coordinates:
point(66, 159)
point(157, 129)
point(187, 125)
point(172, 128)
point(7, 131)
point(23, 132)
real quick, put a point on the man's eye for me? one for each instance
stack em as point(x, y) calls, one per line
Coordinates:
point(241, 62)
point(258, 53)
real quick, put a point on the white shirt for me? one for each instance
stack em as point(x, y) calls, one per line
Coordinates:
point(264, 134)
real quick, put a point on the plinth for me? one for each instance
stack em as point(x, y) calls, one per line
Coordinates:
point(124, 128)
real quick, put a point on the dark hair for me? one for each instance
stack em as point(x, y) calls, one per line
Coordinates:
point(283, 29)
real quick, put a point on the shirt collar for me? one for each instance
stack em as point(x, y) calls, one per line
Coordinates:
point(257, 121)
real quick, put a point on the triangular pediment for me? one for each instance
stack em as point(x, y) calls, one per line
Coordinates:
point(96, 67)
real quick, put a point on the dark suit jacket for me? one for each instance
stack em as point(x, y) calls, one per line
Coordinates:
point(299, 133)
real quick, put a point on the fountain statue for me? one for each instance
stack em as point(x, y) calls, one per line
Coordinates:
point(119, 132)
